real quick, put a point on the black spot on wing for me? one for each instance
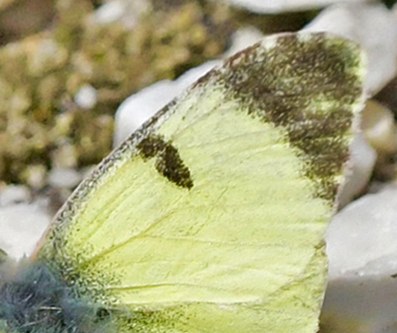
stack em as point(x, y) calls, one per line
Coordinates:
point(168, 162)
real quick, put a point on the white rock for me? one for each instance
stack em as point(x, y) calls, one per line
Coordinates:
point(86, 97)
point(125, 11)
point(243, 38)
point(378, 138)
point(139, 107)
point(35, 176)
point(379, 128)
point(362, 251)
point(278, 6)
point(363, 234)
point(362, 161)
point(22, 225)
point(360, 305)
point(375, 28)
point(64, 177)
point(110, 11)
point(14, 194)
point(193, 74)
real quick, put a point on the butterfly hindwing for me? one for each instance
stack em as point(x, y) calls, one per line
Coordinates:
point(210, 217)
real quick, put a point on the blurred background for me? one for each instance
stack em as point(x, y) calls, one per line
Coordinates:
point(78, 76)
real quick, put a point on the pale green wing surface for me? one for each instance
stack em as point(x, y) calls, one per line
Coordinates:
point(210, 218)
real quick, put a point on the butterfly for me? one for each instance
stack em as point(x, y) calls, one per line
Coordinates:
point(210, 217)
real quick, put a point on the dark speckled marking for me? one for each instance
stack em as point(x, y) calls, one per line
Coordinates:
point(168, 161)
point(280, 83)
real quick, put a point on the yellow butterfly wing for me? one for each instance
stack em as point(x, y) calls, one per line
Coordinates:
point(210, 217)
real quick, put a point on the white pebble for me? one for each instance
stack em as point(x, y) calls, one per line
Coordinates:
point(361, 304)
point(125, 11)
point(110, 11)
point(359, 170)
point(22, 225)
point(379, 128)
point(362, 252)
point(86, 97)
point(279, 6)
point(139, 107)
point(64, 177)
point(14, 194)
point(243, 38)
point(362, 233)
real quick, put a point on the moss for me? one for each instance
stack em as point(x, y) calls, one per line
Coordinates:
point(41, 125)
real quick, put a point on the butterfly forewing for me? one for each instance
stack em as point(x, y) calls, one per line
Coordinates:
point(210, 218)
